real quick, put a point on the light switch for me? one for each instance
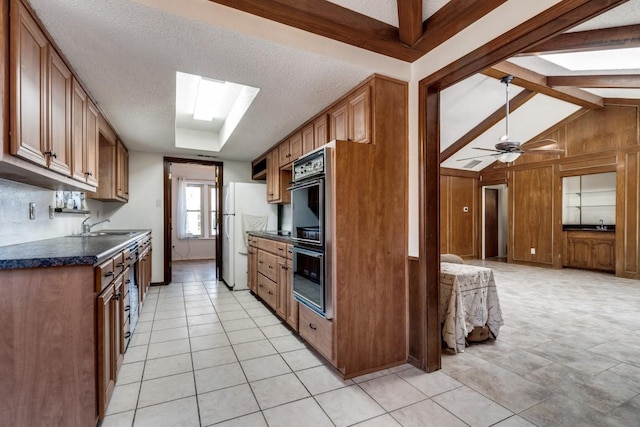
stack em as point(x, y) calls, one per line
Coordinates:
point(32, 210)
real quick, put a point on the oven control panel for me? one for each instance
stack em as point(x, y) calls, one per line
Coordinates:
point(309, 166)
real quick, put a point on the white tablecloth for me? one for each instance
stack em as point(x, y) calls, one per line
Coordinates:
point(468, 298)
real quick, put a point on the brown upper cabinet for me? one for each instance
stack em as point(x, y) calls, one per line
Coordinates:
point(290, 149)
point(320, 134)
point(29, 76)
point(53, 123)
point(277, 179)
point(351, 118)
point(114, 167)
point(308, 140)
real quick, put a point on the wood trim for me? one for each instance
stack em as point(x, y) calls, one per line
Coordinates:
point(600, 81)
point(583, 41)
point(547, 24)
point(452, 18)
point(167, 211)
point(514, 103)
point(621, 101)
point(540, 28)
point(4, 78)
point(409, 21)
point(330, 20)
point(459, 172)
point(538, 83)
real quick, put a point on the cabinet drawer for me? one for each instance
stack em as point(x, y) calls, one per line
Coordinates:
point(267, 265)
point(268, 245)
point(281, 249)
point(104, 275)
point(316, 330)
point(118, 263)
point(289, 251)
point(267, 290)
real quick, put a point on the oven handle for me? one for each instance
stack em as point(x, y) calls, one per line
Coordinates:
point(306, 184)
point(313, 254)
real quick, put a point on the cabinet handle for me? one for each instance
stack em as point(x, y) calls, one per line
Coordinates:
point(51, 154)
point(127, 308)
point(271, 267)
point(117, 296)
point(120, 264)
point(89, 173)
point(127, 335)
point(127, 281)
point(260, 262)
point(270, 293)
point(129, 258)
point(108, 274)
point(312, 326)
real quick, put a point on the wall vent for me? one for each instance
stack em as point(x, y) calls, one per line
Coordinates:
point(472, 164)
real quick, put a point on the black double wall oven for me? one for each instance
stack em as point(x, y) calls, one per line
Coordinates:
point(311, 222)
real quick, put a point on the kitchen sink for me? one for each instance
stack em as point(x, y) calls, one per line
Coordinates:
point(105, 233)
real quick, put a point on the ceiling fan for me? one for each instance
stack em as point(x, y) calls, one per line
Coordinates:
point(507, 150)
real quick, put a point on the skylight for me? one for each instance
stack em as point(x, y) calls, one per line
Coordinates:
point(208, 110)
point(615, 59)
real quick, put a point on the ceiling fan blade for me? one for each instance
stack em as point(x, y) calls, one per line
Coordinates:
point(476, 157)
point(487, 149)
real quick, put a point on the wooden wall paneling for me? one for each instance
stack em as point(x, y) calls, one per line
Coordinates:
point(531, 197)
point(444, 214)
point(556, 220)
point(601, 130)
point(4, 80)
point(631, 219)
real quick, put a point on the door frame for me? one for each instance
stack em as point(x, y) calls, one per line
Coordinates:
point(168, 203)
point(549, 23)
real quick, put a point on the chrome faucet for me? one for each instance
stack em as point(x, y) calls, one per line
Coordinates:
point(86, 228)
point(601, 226)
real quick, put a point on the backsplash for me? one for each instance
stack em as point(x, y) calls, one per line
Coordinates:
point(15, 225)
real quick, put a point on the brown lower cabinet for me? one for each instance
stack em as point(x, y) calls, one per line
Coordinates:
point(591, 250)
point(270, 270)
point(63, 339)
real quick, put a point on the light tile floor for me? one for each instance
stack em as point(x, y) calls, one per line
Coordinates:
point(568, 355)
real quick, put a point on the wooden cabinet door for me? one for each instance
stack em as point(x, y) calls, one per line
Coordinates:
point(59, 115)
point(281, 293)
point(78, 131)
point(273, 176)
point(292, 304)
point(320, 131)
point(122, 171)
point(604, 255)
point(106, 345)
point(359, 115)
point(295, 146)
point(284, 153)
point(308, 139)
point(579, 252)
point(92, 154)
point(118, 338)
point(339, 123)
point(28, 86)
point(253, 269)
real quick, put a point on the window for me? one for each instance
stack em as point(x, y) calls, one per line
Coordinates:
point(201, 209)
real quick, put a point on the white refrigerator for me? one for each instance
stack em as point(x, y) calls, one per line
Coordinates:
point(250, 200)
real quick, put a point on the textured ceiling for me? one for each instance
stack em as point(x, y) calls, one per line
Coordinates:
point(625, 14)
point(127, 55)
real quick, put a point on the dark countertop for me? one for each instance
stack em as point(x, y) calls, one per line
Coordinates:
point(280, 236)
point(73, 250)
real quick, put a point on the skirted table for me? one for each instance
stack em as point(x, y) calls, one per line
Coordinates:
point(468, 299)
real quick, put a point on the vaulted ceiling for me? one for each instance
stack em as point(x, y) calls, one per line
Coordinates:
point(127, 54)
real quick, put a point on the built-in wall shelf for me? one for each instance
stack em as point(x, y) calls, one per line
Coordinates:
point(72, 211)
point(589, 199)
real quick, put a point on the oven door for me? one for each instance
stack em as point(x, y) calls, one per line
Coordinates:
point(307, 210)
point(309, 286)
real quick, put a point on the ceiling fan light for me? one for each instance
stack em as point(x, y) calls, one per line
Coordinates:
point(508, 157)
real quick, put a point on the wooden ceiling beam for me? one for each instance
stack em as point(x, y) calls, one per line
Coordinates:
point(409, 21)
point(514, 103)
point(452, 18)
point(538, 83)
point(600, 81)
point(583, 41)
point(330, 20)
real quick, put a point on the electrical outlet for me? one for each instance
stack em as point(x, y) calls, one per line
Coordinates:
point(32, 210)
point(533, 251)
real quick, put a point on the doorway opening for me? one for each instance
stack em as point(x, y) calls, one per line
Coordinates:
point(192, 220)
point(495, 223)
